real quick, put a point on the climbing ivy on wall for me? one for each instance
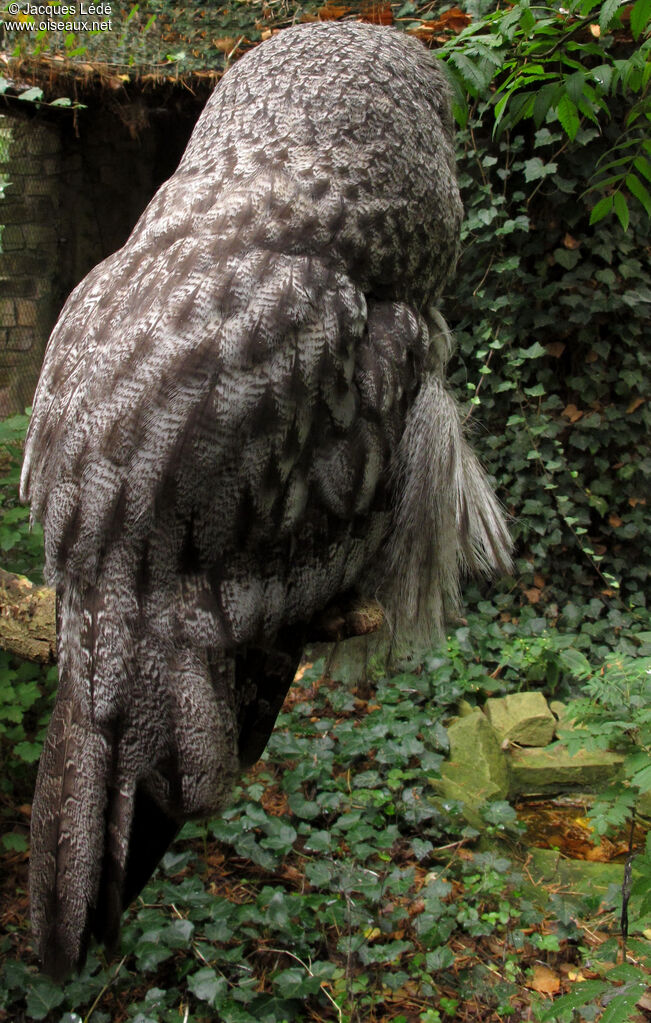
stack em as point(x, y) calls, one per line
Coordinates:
point(551, 316)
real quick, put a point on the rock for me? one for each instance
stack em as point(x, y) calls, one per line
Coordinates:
point(562, 712)
point(581, 876)
point(477, 770)
point(464, 709)
point(522, 718)
point(542, 771)
point(548, 872)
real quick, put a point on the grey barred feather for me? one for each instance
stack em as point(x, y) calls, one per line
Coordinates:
point(241, 417)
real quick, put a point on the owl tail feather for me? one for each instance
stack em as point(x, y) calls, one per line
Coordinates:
point(68, 832)
point(448, 519)
point(94, 844)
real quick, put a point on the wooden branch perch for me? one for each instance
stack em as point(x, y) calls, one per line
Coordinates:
point(27, 620)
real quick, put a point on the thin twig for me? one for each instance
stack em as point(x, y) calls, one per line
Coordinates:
point(105, 989)
point(626, 886)
point(285, 952)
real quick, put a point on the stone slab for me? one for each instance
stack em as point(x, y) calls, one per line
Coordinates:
point(477, 770)
point(522, 718)
point(549, 770)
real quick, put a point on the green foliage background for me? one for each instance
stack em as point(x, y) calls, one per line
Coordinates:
point(550, 308)
point(552, 316)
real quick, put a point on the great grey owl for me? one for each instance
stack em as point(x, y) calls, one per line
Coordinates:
point(242, 416)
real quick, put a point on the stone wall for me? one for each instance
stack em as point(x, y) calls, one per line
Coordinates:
point(30, 174)
point(70, 194)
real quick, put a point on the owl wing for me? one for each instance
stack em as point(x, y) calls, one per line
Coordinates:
point(208, 455)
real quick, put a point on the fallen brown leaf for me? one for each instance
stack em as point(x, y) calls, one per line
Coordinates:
point(635, 404)
point(331, 12)
point(224, 45)
point(572, 413)
point(544, 980)
point(377, 12)
point(555, 349)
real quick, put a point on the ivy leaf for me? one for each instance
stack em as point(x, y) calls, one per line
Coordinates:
point(296, 983)
point(206, 985)
point(33, 95)
point(533, 352)
point(440, 959)
point(43, 995)
point(15, 842)
point(535, 169)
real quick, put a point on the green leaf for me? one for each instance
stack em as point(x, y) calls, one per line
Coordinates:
point(43, 995)
point(603, 75)
point(475, 76)
point(527, 21)
point(28, 751)
point(535, 168)
point(14, 842)
point(581, 995)
point(636, 187)
point(567, 258)
point(607, 14)
point(319, 841)
point(568, 115)
point(576, 662)
point(601, 209)
point(621, 209)
point(207, 986)
point(575, 86)
point(622, 1005)
point(545, 98)
point(440, 959)
point(643, 166)
point(640, 16)
point(32, 95)
point(296, 983)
